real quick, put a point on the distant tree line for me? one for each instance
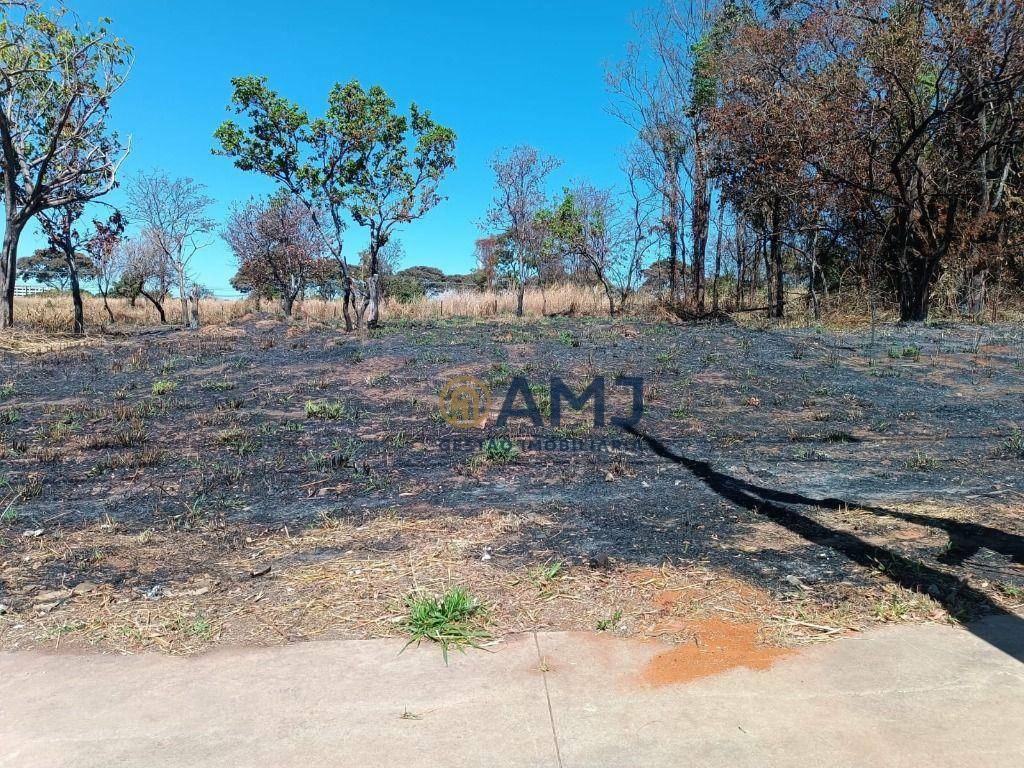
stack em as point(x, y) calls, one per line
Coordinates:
point(866, 144)
point(781, 148)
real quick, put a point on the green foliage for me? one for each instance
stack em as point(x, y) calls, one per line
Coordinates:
point(360, 158)
point(49, 267)
point(322, 409)
point(500, 451)
point(449, 620)
point(163, 387)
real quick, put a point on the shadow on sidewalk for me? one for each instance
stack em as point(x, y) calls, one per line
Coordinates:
point(1000, 628)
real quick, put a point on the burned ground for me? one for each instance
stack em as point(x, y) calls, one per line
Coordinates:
point(162, 470)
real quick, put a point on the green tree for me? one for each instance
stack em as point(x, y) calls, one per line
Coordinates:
point(361, 162)
point(57, 78)
point(47, 266)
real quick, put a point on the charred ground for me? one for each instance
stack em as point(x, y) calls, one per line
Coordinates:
point(163, 470)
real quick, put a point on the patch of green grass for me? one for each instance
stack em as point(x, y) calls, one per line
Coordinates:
point(221, 385)
point(1013, 591)
point(198, 626)
point(891, 608)
point(570, 432)
point(163, 387)
point(905, 353)
point(6, 391)
point(1014, 445)
point(604, 625)
point(10, 416)
point(500, 451)
point(543, 575)
point(450, 620)
point(499, 374)
point(921, 461)
point(323, 409)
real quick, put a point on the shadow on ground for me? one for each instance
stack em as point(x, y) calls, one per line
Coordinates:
point(953, 592)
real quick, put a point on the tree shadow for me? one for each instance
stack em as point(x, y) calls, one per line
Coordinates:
point(953, 592)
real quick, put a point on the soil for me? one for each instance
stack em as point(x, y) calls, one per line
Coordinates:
point(716, 646)
point(833, 478)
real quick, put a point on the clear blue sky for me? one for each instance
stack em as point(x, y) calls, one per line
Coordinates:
point(498, 73)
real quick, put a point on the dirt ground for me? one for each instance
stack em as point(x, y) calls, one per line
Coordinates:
point(261, 482)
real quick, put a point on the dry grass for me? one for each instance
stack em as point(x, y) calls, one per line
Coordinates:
point(53, 313)
point(188, 590)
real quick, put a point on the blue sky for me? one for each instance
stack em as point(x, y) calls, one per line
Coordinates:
point(498, 73)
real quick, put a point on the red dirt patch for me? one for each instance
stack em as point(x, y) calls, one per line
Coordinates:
point(718, 646)
point(666, 600)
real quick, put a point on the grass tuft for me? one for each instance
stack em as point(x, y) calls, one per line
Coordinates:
point(451, 620)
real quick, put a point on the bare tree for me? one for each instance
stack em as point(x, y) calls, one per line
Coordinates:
point(56, 82)
point(610, 237)
point(277, 244)
point(146, 272)
point(520, 175)
point(173, 213)
point(105, 253)
point(647, 100)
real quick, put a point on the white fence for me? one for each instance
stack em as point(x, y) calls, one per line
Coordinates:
point(28, 290)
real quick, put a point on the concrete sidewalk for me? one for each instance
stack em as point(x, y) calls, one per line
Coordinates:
point(907, 696)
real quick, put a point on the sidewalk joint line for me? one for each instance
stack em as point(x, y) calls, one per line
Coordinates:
point(547, 695)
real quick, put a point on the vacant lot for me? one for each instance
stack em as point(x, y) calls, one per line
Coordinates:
point(262, 482)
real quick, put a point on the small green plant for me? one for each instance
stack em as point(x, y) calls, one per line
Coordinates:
point(892, 608)
point(10, 416)
point(451, 620)
point(542, 395)
point(500, 451)
point(6, 391)
point(322, 409)
point(605, 625)
point(921, 461)
point(163, 387)
point(1013, 445)
point(1011, 590)
point(197, 626)
point(906, 353)
point(543, 575)
point(221, 385)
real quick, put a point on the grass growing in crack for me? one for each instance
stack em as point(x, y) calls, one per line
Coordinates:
point(450, 620)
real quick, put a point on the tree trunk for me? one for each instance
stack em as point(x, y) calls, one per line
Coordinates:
point(778, 305)
point(183, 298)
point(520, 294)
point(158, 305)
point(813, 277)
point(76, 295)
point(347, 300)
point(287, 302)
point(193, 308)
point(106, 306)
point(8, 271)
point(670, 220)
point(700, 224)
point(718, 256)
point(373, 301)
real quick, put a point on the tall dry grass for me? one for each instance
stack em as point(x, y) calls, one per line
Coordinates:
point(53, 313)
